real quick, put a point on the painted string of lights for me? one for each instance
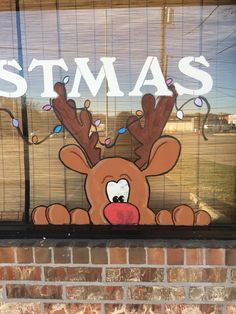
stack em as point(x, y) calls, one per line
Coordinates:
point(108, 143)
point(198, 102)
point(34, 140)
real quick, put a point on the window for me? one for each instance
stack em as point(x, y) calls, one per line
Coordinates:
point(130, 31)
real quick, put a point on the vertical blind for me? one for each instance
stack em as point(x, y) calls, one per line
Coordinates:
point(205, 176)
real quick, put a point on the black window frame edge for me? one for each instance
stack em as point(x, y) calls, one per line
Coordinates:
point(92, 232)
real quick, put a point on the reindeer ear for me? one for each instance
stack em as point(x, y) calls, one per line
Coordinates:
point(164, 156)
point(73, 157)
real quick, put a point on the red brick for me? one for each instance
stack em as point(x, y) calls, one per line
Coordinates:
point(194, 309)
point(230, 294)
point(73, 273)
point(94, 293)
point(134, 274)
point(216, 294)
point(118, 255)
point(34, 291)
point(215, 256)
point(155, 256)
point(81, 255)
point(62, 255)
point(231, 257)
point(175, 256)
point(22, 308)
point(156, 293)
point(231, 309)
point(137, 255)
point(197, 293)
point(43, 255)
point(72, 308)
point(7, 255)
point(21, 273)
point(195, 256)
point(24, 255)
point(178, 274)
point(132, 308)
point(2, 273)
point(99, 255)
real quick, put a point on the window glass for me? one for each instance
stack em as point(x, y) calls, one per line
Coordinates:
point(205, 176)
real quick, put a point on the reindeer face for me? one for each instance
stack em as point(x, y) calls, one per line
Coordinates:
point(117, 189)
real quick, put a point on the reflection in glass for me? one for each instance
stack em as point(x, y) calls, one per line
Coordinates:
point(205, 174)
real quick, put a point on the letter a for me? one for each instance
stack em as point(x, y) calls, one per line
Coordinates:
point(158, 80)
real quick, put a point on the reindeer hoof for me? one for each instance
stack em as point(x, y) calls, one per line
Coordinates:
point(39, 215)
point(79, 217)
point(164, 217)
point(202, 218)
point(183, 215)
point(58, 214)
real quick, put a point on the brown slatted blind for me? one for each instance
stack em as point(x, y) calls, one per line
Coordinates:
point(130, 31)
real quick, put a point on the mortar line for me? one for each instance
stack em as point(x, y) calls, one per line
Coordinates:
point(125, 292)
point(228, 276)
point(117, 283)
point(70, 252)
point(64, 296)
point(185, 256)
point(127, 255)
point(33, 253)
point(186, 291)
point(204, 257)
point(90, 257)
point(42, 274)
point(165, 266)
point(163, 307)
point(102, 308)
point(53, 259)
point(138, 302)
point(90, 265)
point(42, 307)
point(146, 255)
point(103, 275)
point(15, 256)
point(224, 308)
point(4, 291)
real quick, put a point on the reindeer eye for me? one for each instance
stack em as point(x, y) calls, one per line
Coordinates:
point(115, 199)
point(118, 191)
point(121, 199)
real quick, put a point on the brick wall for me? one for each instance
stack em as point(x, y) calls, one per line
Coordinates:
point(77, 277)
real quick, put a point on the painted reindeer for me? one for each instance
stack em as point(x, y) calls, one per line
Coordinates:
point(117, 189)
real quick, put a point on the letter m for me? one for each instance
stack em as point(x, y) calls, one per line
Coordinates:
point(107, 70)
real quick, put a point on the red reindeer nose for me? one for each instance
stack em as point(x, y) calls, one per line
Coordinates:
point(121, 214)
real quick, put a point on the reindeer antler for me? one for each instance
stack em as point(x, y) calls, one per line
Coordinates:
point(156, 118)
point(78, 127)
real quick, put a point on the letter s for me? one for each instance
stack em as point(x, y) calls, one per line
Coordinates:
point(16, 79)
point(200, 75)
